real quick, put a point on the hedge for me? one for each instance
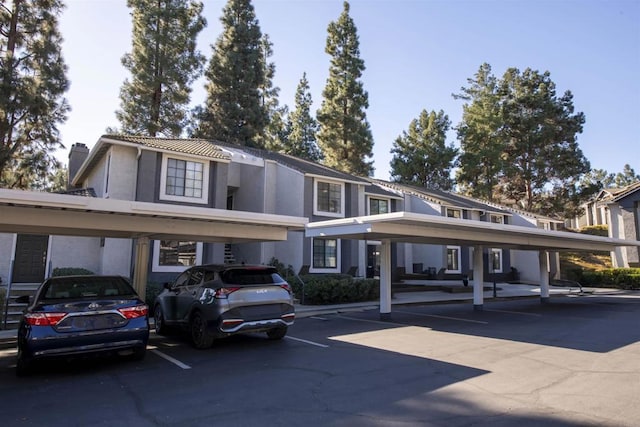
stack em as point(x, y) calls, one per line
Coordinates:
point(316, 289)
point(621, 278)
point(70, 271)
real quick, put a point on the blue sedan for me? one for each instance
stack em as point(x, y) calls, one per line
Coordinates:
point(81, 315)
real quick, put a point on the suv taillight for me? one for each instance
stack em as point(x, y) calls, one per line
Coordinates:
point(44, 319)
point(135, 311)
point(224, 292)
point(285, 286)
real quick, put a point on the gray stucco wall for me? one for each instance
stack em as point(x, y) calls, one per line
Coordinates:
point(6, 249)
point(75, 252)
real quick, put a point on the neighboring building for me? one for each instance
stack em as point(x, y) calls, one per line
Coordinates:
point(619, 210)
point(196, 172)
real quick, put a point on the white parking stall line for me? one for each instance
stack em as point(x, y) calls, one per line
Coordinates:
point(459, 319)
point(317, 344)
point(171, 359)
point(515, 312)
point(318, 318)
point(378, 322)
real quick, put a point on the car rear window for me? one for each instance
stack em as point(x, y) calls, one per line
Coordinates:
point(69, 288)
point(250, 277)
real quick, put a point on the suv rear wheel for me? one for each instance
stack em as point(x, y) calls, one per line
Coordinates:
point(277, 333)
point(200, 337)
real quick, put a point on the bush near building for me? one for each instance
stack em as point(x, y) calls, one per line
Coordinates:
point(621, 278)
point(316, 289)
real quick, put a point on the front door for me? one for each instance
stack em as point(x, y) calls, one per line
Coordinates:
point(31, 258)
point(373, 261)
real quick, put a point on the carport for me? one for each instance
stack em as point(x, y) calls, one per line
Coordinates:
point(407, 227)
point(31, 212)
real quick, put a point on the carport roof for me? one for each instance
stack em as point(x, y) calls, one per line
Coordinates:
point(432, 229)
point(62, 214)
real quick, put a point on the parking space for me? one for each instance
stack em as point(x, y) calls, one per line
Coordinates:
point(574, 361)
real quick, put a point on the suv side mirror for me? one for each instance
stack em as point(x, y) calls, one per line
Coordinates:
point(167, 285)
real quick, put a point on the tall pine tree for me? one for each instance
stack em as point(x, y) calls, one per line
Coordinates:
point(421, 155)
point(481, 161)
point(233, 111)
point(302, 126)
point(275, 130)
point(164, 62)
point(344, 135)
point(32, 84)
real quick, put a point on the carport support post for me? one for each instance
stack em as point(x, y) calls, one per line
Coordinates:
point(385, 280)
point(543, 257)
point(478, 278)
point(140, 270)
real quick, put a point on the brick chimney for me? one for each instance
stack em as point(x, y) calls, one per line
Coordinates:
point(77, 155)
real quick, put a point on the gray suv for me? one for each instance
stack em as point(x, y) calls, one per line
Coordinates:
point(213, 301)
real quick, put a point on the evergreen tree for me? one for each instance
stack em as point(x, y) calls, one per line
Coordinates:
point(540, 131)
point(233, 111)
point(344, 135)
point(626, 177)
point(275, 131)
point(481, 161)
point(163, 63)
point(524, 137)
point(32, 84)
point(301, 140)
point(421, 156)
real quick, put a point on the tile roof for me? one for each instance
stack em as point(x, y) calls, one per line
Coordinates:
point(84, 192)
point(194, 146)
point(445, 198)
point(296, 163)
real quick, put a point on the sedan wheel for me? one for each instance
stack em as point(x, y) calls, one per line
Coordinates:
point(277, 333)
point(200, 337)
point(22, 365)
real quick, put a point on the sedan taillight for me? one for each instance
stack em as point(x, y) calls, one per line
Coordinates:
point(43, 319)
point(134, 312)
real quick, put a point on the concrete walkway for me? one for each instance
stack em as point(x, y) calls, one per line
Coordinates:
point(426, 292)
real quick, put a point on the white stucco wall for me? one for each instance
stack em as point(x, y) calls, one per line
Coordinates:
point(116, 257)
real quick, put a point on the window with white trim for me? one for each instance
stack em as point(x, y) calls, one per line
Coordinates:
point(325, 255)
point(497, 219)
point(495, 260)
point(175, 256)
point(378, 206)
point(453, 259)
point(328, 198)
point(454, 213)
point(184, 179)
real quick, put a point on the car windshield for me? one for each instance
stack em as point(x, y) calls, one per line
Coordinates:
point(250, 277)
point(86, 287)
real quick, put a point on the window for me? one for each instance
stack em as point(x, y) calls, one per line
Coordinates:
point(174, 256)
point(329, 199)
point(495, 260)
point(325, 255)
point(378, 206)
point(184, 180)
point(454, 213)
point(453, 259)
point(497, 219)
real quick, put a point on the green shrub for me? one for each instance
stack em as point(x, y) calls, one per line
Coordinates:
point(621, 278)
point(70, 271)
point(334, 289)
point(152, 291)
point(595, 230)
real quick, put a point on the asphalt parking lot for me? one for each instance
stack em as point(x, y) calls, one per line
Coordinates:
point(572, 362)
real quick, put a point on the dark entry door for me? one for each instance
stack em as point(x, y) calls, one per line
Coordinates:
point(31, 258)
point(373, 261)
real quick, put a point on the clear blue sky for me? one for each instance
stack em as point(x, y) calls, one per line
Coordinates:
point(416, 52)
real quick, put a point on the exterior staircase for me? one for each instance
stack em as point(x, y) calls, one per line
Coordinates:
point(12, 311)
point(229, 258)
